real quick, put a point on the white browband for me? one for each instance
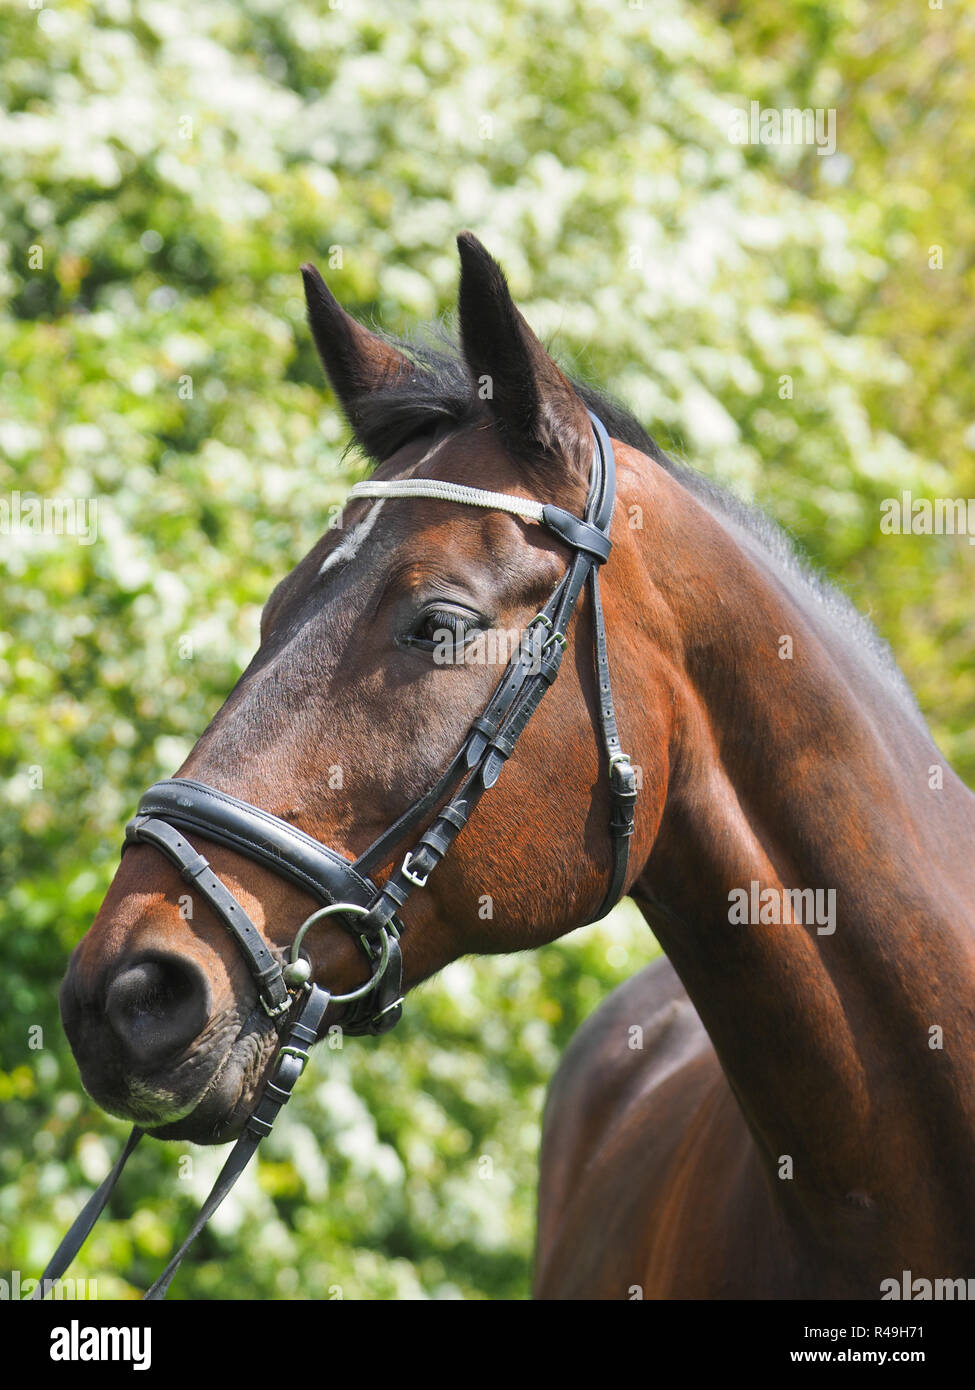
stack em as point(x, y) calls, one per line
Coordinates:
point(451, 492)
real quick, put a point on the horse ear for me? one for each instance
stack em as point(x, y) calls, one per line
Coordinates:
point(356, 361)
point(532, 402)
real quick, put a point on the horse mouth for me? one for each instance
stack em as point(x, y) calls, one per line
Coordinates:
point(215, 1111)
point(221, 1110)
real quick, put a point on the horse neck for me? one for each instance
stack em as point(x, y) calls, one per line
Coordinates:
point(813, 771)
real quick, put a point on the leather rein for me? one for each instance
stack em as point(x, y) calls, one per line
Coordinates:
point(170, 809)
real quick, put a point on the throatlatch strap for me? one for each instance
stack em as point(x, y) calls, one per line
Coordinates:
point(622, 778)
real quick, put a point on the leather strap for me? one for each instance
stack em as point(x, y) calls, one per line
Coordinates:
point(196, 870)
point(581, 535)
point(80, 1228)
point(622, 778)
point(290, 1064)
point(271, 841)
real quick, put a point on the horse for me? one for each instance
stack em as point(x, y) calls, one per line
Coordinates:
point(783, 1104)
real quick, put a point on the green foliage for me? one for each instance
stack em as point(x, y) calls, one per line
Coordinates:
point(166, 168)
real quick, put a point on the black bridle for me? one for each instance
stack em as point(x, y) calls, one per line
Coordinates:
point(179, 806)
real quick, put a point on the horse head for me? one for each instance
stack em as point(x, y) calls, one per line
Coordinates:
point(379, 654)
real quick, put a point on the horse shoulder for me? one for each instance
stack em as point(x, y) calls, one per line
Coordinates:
point(649, 1176)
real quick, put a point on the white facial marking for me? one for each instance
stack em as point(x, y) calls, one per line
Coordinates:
point(349, 548)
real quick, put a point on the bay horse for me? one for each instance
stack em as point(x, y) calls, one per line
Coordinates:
point(782, 1106)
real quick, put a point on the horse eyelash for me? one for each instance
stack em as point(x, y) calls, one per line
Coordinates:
point(444, 619)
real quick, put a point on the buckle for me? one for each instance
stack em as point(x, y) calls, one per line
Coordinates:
point(622, 787)
point(621, 772)
point(407, 872)
point(281, 1008)
point(293, 1052)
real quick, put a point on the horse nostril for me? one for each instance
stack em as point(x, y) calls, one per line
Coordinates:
point(158, 1007)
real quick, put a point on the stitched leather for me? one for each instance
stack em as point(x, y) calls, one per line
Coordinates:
point(196, 870)
point(284, 848)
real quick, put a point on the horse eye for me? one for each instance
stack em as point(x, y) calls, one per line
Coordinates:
point(439, 627)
